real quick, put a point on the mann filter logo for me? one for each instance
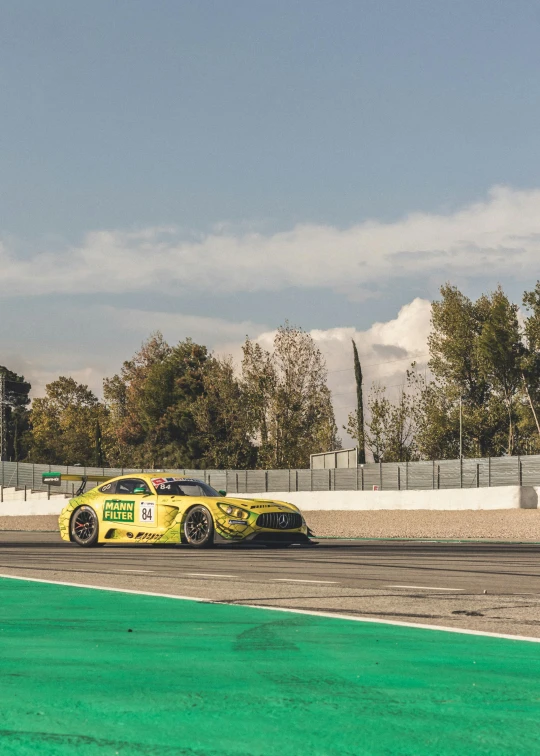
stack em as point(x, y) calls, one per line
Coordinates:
point(115, 510)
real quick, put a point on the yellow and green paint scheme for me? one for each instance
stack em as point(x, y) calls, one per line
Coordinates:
point(155, 517)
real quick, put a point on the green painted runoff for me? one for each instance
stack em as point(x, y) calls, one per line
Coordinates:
point(98, 672)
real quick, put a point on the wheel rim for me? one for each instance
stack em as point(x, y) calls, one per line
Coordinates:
point(84, 525)
point(197, 526)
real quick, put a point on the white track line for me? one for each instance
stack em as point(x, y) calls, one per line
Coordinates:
point(141, 571)
point(424, 588)
point(208, 574)
point(352, 618)
point(293, 580)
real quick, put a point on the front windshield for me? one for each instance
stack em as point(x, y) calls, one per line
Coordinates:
point(183, 487)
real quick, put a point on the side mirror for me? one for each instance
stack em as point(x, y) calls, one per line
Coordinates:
point(222, 493)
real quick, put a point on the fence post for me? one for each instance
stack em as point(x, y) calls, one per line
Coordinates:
point(357, 477)
point(489, 472)
point(461, 472)
point(362, 468)
point(399, 478)
point(433, 477)
point(311, 479)
point(266, 481)
point(380, 476)
point(25, 491)
point(438, 477)
point(478, 475)
point(407, 475)
point(2, 491)
point(520, 471)
point(297, 480)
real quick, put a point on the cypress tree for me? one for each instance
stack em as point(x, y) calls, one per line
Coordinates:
point(98, 450)
point(359, 406)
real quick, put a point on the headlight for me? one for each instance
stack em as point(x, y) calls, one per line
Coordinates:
point(240, 514)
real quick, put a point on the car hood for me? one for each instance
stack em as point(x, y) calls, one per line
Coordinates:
point(251, 505)
point(260, 505)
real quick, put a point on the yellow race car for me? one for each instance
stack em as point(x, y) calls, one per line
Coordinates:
point(165, 508)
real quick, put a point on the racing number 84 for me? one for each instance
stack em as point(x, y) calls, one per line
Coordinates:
point(147, 512)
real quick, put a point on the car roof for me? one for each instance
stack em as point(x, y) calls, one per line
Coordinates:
point(154, 476)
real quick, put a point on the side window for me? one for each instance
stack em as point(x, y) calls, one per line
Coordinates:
point(108, 488)
point(128, 486)
point(192, 489)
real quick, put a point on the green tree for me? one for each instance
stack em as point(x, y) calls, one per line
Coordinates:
point(259, 382)
point(391, 428)
point(17, 414)
point(530, 418)
point(456, 364)
point(64, 422)
point(221, 419)
point(152, 404)
point(289, 402)
point(501, 354)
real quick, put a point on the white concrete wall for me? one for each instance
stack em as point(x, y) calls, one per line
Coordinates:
point(23, 508)
point(503, 497)
point(36, 503)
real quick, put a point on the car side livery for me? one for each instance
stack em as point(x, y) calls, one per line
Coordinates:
point(150, 508)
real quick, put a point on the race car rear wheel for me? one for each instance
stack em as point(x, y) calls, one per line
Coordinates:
point(199, 527)
point(84, 528)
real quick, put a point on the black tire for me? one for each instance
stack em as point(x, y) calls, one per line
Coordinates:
point(199, 528)
point(84, 527)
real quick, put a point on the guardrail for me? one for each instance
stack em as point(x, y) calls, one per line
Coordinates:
point(386, 476)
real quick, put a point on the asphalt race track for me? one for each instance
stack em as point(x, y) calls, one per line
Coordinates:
point(493, 587)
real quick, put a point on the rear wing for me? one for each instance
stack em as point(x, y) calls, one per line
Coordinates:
point(56, 479)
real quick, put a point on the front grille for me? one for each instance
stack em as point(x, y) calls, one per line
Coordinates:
point(279, 520)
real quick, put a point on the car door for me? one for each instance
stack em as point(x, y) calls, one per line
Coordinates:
point(168, 505)
point(134, 503)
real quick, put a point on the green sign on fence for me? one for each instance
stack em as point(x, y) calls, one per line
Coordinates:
point(51, 479)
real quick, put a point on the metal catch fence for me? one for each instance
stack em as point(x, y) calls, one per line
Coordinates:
point(386, 476)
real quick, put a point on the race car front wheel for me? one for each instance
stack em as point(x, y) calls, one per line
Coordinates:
point(199, 527)
point(84, 527)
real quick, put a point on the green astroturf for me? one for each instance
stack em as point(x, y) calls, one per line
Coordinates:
point(208, 680)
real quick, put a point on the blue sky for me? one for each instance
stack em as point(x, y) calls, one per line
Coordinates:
point(216, 167)
point(138, 113)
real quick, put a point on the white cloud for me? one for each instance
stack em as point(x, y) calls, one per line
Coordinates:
point(500, 236)
point(386, 351)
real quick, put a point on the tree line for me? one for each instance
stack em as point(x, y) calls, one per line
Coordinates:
point(183, 407)
point(482, 394)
